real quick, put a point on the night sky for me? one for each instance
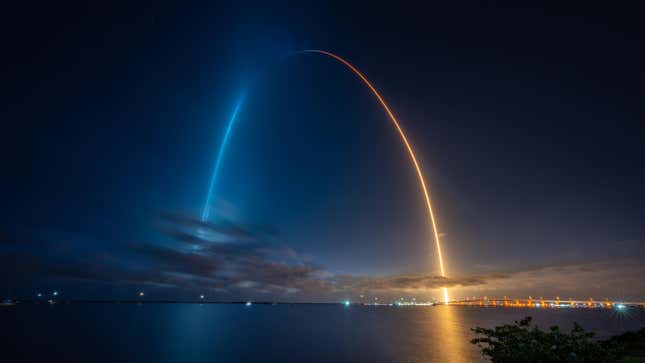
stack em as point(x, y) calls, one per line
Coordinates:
point(528, 124)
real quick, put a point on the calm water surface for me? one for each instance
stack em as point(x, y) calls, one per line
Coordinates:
point(265, 333)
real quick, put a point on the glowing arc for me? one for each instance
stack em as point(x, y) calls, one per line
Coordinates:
point(218, 162)
point(417, 167)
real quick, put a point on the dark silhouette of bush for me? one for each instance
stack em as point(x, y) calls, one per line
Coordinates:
point(631, 346)
point(525, 342)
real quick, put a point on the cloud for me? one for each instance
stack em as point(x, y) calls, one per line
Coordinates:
point(225, 257)
point(618, 279)
point(173, 260)
point(237, 261)
point(409, 282)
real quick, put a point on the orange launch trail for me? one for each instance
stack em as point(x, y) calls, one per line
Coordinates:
point(424, 187)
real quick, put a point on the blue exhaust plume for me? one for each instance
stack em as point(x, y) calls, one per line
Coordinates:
point(218, 162)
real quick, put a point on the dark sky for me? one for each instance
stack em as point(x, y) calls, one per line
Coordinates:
point(528, 123)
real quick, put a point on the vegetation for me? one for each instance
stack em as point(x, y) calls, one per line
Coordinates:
point(631, 346)
point(525, 342)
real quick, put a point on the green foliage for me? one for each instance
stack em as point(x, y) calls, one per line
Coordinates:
point(632, 346)
point(525, 342)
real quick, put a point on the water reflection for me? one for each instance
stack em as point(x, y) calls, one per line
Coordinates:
point(451, 335)
point(264, 333)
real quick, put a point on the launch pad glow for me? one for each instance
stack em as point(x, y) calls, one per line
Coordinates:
point(404, 139)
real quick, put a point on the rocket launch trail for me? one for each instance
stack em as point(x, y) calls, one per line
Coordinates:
point(417, 167)
point(390, 114)
point(218, 161)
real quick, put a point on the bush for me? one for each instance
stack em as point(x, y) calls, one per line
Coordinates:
point(525, 342)
point(631, 345)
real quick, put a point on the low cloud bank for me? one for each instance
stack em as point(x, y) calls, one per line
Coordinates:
point(235, 261)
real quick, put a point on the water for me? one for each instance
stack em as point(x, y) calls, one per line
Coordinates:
point(266, 333)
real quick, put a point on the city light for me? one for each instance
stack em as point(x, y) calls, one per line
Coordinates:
point(546, 303)
point(248, 303)
point(346, 303)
